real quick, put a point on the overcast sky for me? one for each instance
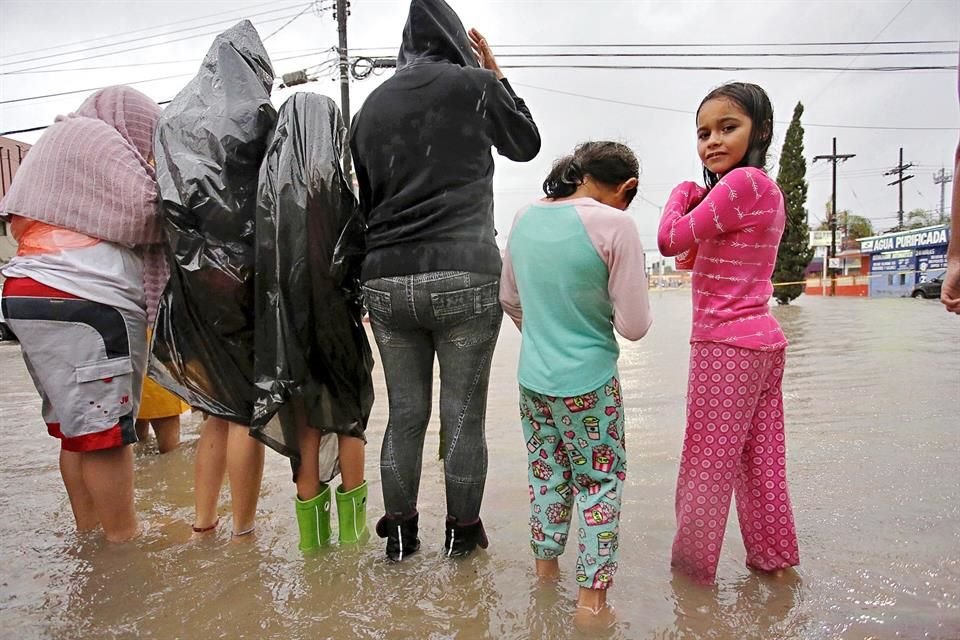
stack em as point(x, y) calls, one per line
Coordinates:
point(663, 137)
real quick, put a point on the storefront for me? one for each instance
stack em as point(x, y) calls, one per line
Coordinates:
point(901, 260)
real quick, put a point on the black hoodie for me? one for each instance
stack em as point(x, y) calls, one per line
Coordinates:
point(421, 145)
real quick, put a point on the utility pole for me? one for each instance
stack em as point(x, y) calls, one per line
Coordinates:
point(834, 158)
point(343, 10)
point(942, 178)
point(898, 171)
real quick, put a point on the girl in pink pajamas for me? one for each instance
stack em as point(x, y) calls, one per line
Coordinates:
point(734, 441)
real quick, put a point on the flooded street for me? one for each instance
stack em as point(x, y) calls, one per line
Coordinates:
point(872, 389)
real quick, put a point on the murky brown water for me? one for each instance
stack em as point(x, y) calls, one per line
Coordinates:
point(872, 392)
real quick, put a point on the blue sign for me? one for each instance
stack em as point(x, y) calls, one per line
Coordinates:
point(929, 261)
point(882, 264)
point(929, 237)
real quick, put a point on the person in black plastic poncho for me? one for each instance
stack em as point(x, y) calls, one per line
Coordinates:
point(421, 144)
point(313, 362)
point(209, 144)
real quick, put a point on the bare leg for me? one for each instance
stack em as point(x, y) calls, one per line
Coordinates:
point(167, 431)
point(108, 476)
point(351, 462)
point(548, 569)
point(143, 430)
point(593, 613)
point(210, 466)
point(81, 502)
point(308, 475)
point(245, 471)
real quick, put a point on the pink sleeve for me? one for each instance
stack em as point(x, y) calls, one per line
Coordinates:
point(509, 295)
point(617, 241)
point(683, 197)
point(740, 200)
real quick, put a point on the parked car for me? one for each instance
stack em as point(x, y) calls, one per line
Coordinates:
point(5, 333)
point(928, 289)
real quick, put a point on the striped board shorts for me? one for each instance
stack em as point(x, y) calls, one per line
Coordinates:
point(87, 361)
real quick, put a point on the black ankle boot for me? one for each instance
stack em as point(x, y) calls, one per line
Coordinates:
point(462, 539)
point(401, 534)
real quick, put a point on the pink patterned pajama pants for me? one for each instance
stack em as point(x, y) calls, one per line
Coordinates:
point(734, 443)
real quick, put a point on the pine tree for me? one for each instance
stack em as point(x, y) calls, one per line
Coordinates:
point(795, 252)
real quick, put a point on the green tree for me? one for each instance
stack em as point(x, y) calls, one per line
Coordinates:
point(795, 252)
point(919, 218)
point(857, 226)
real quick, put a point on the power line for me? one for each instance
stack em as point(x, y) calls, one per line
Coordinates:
point(879, 33)
point(159, 35)
point(561, 55)
point(792, 54)
point(124, 33)
point(309, 6)
point(146, 46)
point(689, 112)
point(687, 45)
point(306, 53)
point(546, 89)
point(731, 68)
point(87, 90)
point(92, 89)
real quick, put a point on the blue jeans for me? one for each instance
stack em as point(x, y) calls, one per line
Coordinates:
point(456, 316)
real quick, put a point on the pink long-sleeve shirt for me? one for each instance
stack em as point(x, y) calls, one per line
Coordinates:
point(736, 229)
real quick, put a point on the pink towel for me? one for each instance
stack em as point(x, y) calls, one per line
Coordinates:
point(89, 172)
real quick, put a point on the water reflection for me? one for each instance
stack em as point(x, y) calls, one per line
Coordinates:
point(873, 456)
point(752, 606)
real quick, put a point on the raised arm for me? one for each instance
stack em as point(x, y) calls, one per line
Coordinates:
point(740, 200)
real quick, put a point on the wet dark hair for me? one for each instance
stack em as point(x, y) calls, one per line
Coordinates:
point(611, 163)
point(754, 102)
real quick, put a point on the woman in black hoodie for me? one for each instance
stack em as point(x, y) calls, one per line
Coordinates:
point(422, 148)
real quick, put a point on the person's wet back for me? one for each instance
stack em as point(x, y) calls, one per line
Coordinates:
point(422, 147)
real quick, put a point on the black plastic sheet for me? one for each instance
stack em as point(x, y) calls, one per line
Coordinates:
point(311, 347)
point(209, 145)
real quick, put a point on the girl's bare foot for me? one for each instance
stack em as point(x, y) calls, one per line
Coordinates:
point(548, 570)
point(204, 531)
point(787, 574)
point(588, 619)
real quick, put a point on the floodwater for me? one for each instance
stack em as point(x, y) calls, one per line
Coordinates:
point(872, 391)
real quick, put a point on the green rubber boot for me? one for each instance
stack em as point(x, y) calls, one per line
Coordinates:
point(313, 520)
point(352, 512)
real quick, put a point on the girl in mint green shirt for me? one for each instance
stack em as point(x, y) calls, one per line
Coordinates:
point(574, 272)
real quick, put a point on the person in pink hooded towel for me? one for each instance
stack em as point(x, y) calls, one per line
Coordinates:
point(87, 274)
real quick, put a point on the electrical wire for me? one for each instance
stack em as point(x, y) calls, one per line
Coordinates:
point(287, 24)
point(127, 33)
point(87, 90)
point(306, 53)
point(792, 54)
point(879, 33)
point(688, 112)
point(155, 44)
point(92, 89)
point(688, 45)
point(159, 35)
point(634, 67)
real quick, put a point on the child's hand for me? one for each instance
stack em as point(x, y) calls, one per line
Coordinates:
point(699, 194)
point(484, 54)
point(950, 289)
point(690, 193)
